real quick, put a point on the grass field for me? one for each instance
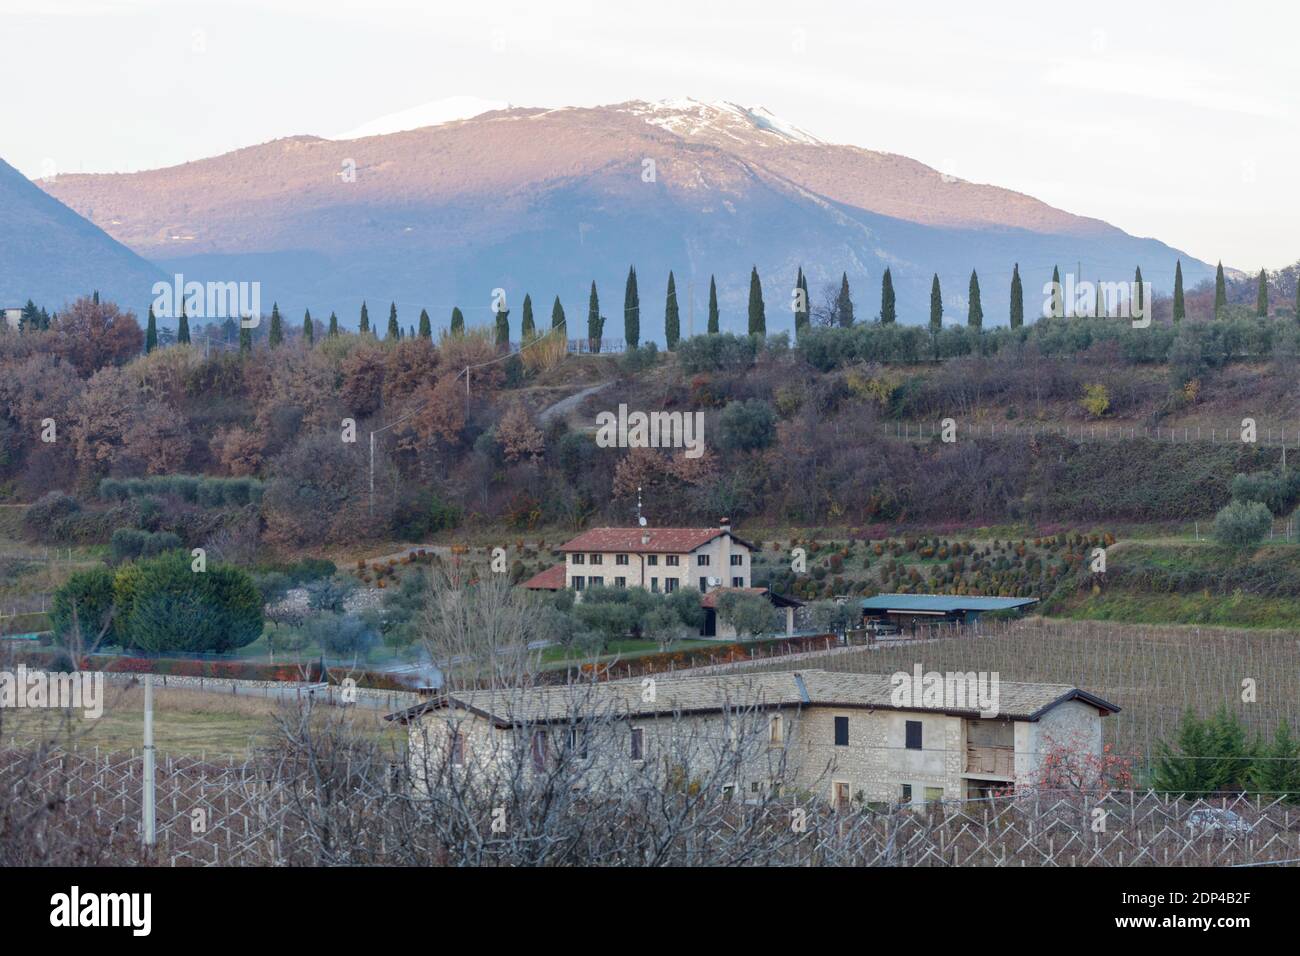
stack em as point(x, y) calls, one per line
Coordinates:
point(189, 722)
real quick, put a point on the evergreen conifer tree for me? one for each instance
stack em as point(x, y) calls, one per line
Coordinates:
point(672, 320)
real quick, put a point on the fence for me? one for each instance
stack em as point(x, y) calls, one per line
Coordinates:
point(1217, 435)
point(245, 814)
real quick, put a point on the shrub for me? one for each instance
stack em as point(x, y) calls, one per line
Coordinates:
point(746, 426)
point(127, 544)
point(90, 595)
point(1242, 524)
point(50, 507)
point(165, 606)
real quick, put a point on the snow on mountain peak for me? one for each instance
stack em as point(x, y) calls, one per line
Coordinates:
point(689, 117)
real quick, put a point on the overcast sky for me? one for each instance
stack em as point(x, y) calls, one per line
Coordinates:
point(1172, 121)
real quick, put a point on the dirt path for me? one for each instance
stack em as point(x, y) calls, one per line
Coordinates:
point(566, 405)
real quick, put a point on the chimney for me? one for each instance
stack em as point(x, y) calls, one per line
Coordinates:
point(645, 538)
point(725, 525)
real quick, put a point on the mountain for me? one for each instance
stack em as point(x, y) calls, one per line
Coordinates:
point(51, 255)
point(546, 200)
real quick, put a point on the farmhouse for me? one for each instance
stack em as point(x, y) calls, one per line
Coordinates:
point(910, 611)
point(845, 737)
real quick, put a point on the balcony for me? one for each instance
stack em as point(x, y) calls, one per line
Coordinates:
point(991, 761)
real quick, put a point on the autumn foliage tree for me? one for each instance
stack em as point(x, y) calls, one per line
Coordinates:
point(95, 334)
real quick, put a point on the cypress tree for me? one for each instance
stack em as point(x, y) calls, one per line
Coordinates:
point(557, 315)
point(975, 313)
point(713, 307)
point(936, 306)
point(245, 340)
point(1220, 292)
point(1017, 298)
point(46, 319)
point(334, 326)
point(844, 303)
point(276, 335)
point(527, 331)
point(1139, 293)
point(631, 311)
point(1180, 307)
point(308, 330)
point(1261, 298)
point(394, 330)
point(1058, 295)
point(1099, 307)
point(595, 321)
point(757, 312)
point(426, 327)
point(672, 320)
point(457, 322)
point(151, 333)
point(183, 328)
point(800, 303)
point(365, 319)
point(887, 313)
point(503, 328)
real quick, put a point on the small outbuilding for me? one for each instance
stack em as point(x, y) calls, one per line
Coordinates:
point(910, 611)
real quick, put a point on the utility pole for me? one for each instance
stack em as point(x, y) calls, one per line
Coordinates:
point(147, 798)
point(372, 474)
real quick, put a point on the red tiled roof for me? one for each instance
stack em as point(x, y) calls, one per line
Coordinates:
point(661, 540)
point(552, 579)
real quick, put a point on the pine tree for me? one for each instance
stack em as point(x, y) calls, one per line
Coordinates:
point(276, 335)
point(631, 311)
point(1058, 295)
point(672, 320)
point(800, 303)
point(1180, 307)
point(975, 313)
point(1017, 298)
point(245, 340)
point(757, 312)
point(936, 306)
point(365, 320)
point(1261, 297)
point(1220, 292)
point(1276, 771)
point(1139, 293)
point(46, 319)
point(595, 321)
point(183, 328)
point(426, 327)
point(503, 328)
point(30, 320)
point(151, 333)
point(557, 316)
point(308, 330)
point(844, 303)
point(527, 331)
point(887, 314)
point(394, 330)
point(713, 307)
point(457, 322)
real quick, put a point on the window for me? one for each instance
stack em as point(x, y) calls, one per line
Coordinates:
point(913, 735)
point(596, 581)
point(620, 582)
point(638, 744)
point(933, 794)
point(702, 560)
point(578, 558)
point(578, 742)
point(775, 731)
point(539, 750)
point(737, 560)
point(841, 731)
point(671, 560)
point(907, 793)
point(457, 749)
point(728, 790)
point(737, 582)
point(704, 584)
point(754, 787)
point(620, 559)
point(578, 582)
point(654, 585)
point(652, 560)
point(670, 585)
point(596, 559)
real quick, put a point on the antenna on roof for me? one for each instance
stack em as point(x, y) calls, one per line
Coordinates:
point(640, 519)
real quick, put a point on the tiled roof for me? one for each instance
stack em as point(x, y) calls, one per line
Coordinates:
point(552, 579)
point(624, 698)
point(661, 540)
